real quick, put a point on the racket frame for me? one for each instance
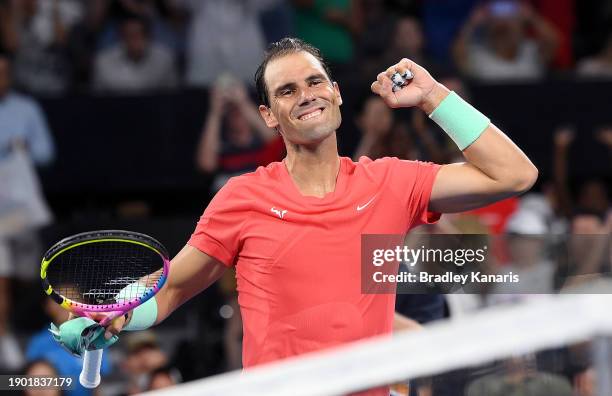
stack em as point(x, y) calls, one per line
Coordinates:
point(119, 308)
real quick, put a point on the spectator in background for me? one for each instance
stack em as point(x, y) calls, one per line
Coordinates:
point(406, 41)
point(224, 36)
point(166, 21)
point(599, 65)
point(588, 250)
point(441, 22)
point(42, 368)
point(22, 120)
point(43, 346)
point(330, 26)
point(163, 377)
point(24, 138)
point(144, 357)
point(562, 16)
point(585, 382)
point(505, 51)
point(381, 136)
point(593, 194)
point(519, 376)
point(384, 136)
point(36, 32)
point(137, 64)
point(84, 40)
point(234, 139)
point(277, 22)
point(378, 27)
point(526, 237)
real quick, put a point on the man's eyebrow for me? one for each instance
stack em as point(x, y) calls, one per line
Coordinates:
point(312, 77)
point(283, 87)
point(317, 76)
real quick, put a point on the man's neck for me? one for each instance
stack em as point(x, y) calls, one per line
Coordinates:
point(314, 170)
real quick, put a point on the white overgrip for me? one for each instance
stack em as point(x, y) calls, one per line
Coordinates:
point(90, 375)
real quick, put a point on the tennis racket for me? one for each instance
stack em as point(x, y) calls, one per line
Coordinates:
point(86, 272)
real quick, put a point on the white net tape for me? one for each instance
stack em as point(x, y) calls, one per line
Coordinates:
point(502, 332)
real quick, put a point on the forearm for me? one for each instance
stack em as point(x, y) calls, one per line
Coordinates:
point(460, 46)
point(191, 272)
point(209, 147)
point(8, 28)
point(495, 155)
point(492, 153)
point(168, 300)
point(60, 35)
point(249, 111)
point(547, 37)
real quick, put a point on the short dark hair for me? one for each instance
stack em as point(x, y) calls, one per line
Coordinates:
point(285, 46)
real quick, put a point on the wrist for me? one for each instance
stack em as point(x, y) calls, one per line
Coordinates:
point(461, 121)
point(142, 317)
point(433, 98)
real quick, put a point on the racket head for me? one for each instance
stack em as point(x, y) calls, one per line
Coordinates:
point(84, 273)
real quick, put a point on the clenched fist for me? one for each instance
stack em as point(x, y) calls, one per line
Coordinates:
point(422, 90)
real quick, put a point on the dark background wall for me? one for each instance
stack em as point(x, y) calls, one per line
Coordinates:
point(125, 148)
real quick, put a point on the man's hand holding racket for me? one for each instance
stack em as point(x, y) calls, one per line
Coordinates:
point(113, 328)
point(101, 277)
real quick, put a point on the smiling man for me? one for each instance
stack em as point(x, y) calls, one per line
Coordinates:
point(293, 229)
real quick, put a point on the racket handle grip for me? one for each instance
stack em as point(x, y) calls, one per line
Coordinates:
point(90, 375)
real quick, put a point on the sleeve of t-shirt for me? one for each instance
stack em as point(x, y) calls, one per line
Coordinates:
point(412, 182)
point(218, 232)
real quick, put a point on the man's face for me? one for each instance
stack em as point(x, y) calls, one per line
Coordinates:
point(408, 36)
point(506, 31)
point(135, 39)
point(5, 76)
point(304, 103)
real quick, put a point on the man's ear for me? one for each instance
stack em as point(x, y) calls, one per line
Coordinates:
point(337, 90)
point(268, 116)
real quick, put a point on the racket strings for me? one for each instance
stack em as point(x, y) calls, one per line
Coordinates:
point(96, 273)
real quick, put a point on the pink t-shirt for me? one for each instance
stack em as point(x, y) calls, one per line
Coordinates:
point(298, 259)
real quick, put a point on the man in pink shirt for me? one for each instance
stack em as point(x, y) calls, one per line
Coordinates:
point(293, 229)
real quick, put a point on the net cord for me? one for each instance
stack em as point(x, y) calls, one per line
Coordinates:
point(492, 334)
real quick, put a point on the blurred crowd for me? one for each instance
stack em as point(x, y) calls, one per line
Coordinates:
point(135, 46)
point(58, 48)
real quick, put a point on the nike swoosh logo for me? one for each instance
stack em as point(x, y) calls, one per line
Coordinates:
point(360, 208)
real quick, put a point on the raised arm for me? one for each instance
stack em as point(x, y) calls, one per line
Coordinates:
point(237, 94)
point(461, 45)
point(545, 33)
point(495, 169)
point(207, 157)
point(562, 141)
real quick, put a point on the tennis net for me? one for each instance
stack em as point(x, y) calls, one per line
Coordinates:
point(554, 344)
